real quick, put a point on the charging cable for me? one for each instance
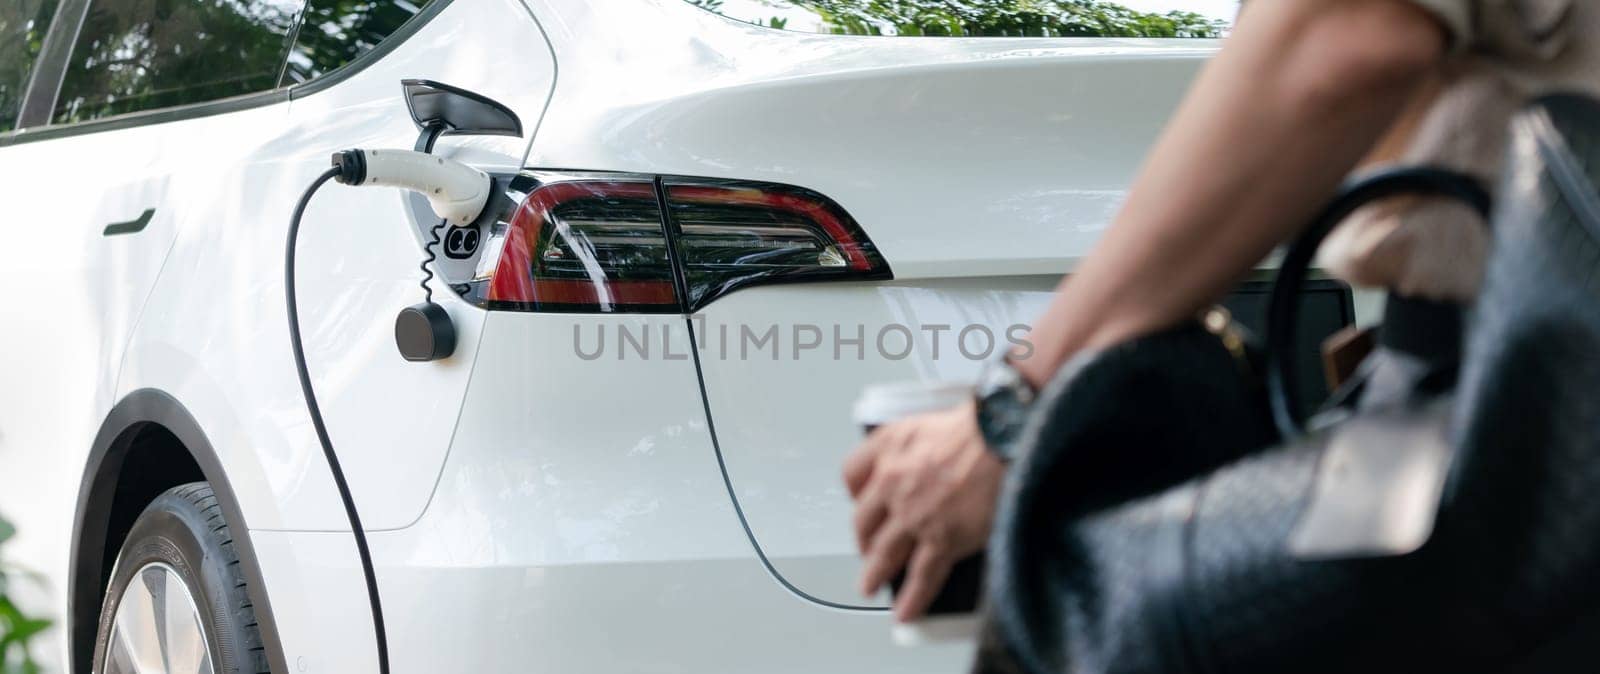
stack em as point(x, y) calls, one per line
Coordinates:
point(322, 428)
point(458, 194)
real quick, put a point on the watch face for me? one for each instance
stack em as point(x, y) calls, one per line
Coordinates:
point(1003, 401)
point(997, 377)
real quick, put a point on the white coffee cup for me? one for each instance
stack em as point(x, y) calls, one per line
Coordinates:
point(881, 404)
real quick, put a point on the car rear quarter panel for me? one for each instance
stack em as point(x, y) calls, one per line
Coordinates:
point(983, 169)
point(960, 157)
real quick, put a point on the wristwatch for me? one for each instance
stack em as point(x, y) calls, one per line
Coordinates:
point(1004, 398)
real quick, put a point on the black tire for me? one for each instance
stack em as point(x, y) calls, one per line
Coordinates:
point(184, 530)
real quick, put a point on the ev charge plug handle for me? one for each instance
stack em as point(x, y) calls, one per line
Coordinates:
point(455, 191)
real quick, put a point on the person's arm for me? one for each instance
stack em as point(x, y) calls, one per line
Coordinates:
point(1301, 90)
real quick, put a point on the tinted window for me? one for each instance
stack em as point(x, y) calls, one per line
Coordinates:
point(136, 55)
point(986, 18)
point(335, 32)
point(22, 27)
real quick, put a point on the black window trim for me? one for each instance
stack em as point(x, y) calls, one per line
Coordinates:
point(281, 94)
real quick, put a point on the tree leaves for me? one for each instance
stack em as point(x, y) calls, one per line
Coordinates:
point(998, 18)
point(22, 22)
point(16, 628)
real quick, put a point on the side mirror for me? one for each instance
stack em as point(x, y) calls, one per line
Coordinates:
point(440, 109)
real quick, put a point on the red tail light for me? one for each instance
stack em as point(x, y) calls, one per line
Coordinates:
point(585, 245)
point(602, 244)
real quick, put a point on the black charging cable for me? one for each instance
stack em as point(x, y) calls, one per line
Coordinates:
point(322, 428)
point(428, 257)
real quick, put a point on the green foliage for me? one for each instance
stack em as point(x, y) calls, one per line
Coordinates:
point(999, 18)
point(335, 32)
point(145, 54)
point(136, 55)
point(16, 628)
point(21, 22)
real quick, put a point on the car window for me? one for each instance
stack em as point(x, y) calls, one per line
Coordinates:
point(335, 32)
point(22, 27)
point(988, 18)
point(134, 55)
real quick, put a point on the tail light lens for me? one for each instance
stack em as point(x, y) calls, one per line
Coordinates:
point(736, 234)
point(600, 244)
point(585, 245)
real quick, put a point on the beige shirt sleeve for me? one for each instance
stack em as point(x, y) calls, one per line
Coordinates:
point(1456, 15)
point(1505, 51)
point(1510, 29)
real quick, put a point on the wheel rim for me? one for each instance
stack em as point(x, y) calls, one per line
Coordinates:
point(157, 628)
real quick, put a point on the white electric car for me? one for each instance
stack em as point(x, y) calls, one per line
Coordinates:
point(706, 237)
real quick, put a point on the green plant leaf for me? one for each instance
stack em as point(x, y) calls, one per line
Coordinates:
point(16, 628)
point(25, 629)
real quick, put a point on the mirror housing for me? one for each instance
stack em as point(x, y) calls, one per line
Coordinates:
point(440, 109)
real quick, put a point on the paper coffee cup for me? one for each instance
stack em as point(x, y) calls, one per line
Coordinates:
point(885, 403)
point(880, 404)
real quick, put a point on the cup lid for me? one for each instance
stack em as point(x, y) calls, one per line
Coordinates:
point(883, 403)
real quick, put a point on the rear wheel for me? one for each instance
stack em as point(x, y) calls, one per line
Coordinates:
point(177, 600)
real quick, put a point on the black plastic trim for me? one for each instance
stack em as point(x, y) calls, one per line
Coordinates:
point(96, 492)
point(680, 280)
point(236, 103)
point(428, 126)
point(148, 117)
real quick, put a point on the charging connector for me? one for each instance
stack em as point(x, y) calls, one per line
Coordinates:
point(455, 191)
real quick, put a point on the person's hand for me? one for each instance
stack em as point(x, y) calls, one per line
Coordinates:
point(925, 490)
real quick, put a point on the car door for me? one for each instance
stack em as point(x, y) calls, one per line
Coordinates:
point(98, 169)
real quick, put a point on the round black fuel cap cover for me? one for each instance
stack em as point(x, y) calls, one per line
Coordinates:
point(424, 332)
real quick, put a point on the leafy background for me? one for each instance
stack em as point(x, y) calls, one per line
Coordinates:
point(16, 628)
point(22, 24)
point(988, 18)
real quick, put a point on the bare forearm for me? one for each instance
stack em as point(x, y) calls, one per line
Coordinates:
point(1270, 127)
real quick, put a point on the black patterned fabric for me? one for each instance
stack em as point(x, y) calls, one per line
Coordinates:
point(1197, 577)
